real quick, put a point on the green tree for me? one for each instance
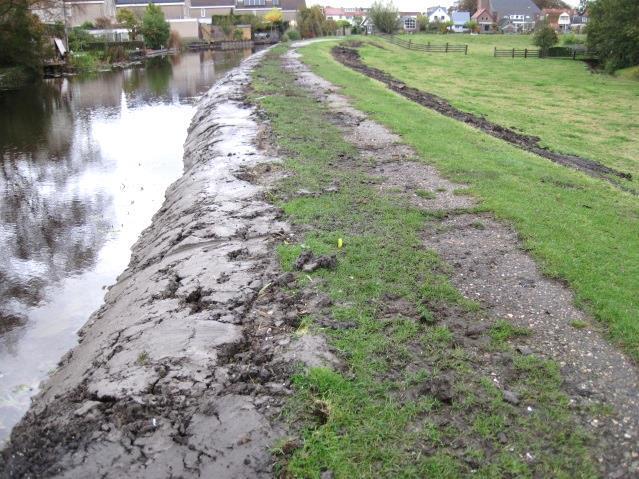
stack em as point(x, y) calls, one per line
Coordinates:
point(311, 22)
point(130, 21)
point(545, 36)
point(444, 27)
point(342, 25)
point(472, 25)
point(155, 28)
point(422, 23)
point(613, 32)
point(384, 16)
point(21, 36)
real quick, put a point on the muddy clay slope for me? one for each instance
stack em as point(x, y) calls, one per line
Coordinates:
point(351, 58)
point(181, 371)
point(488, 264)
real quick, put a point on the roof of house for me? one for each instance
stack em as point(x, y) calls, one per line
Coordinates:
point(460, 18)
point(514, 7)
point(212, 3)
point(479, 13)
point(409, 14)
point(145, 2)
point(292, 4)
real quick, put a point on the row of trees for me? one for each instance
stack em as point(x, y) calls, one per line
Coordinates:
point(613, 32)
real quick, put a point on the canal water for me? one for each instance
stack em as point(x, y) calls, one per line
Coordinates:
point(84, 166)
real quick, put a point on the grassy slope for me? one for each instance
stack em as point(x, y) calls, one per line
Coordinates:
point(581, 229)
point(570, 109)
point(359, 425)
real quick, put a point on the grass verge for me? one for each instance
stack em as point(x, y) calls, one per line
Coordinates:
point(416, 398)
point(580, 229)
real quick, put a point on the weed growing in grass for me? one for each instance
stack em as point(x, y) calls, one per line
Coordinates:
point(390, 414)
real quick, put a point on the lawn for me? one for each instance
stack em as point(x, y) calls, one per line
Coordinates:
point(580, 229)
point(572, 110)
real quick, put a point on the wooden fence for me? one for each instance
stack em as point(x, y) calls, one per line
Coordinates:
point(428, 47)
point(518, 53)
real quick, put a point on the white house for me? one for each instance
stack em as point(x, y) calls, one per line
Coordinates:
point(438, 15)
point(460, 20)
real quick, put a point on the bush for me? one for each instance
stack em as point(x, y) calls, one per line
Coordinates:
point(79, 38)
point(238, 34)
point(285, 38)
point(293, 35)
point(384, 16)
point(87, 26)
point(155, 28)
point(545, 36)
point(571, 39)
point(21, 37)
point(613, 32)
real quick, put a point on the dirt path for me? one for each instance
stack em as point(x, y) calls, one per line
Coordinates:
point(350, 58)
point(488, 264)
point(182, 372)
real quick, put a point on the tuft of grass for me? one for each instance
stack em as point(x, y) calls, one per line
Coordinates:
point(427, 195)
point(578, 324)
point(143, 358)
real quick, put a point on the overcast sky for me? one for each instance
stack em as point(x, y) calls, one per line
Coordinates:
point(403, 5)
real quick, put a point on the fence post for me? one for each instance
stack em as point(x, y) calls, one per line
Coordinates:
point(466, 50)
point(410, 42)
point(513, 53)
point(495, 54)
point(446, 48)
point(525, 53)
point(574, 54)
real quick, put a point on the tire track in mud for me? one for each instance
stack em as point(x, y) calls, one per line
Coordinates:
point(183, 371)
point(489, 265)
point(350, 58)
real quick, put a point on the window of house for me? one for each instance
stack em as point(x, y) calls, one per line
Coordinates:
point(410, 24)
point(276, 3)
point(254, 3)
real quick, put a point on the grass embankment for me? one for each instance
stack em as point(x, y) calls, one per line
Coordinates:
point(581, 229)
point(387, 416)
point(572, 110)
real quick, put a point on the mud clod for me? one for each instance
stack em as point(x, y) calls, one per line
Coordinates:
point(308, 262)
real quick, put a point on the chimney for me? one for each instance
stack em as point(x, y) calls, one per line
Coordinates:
point(483, 4)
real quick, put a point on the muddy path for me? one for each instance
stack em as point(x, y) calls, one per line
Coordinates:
point(350, 57)
point(487, 263)
point(183, 370)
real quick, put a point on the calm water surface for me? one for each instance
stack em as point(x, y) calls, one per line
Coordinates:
point(84, 165)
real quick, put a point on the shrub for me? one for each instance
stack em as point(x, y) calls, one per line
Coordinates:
point(384, 16)
point(79, 38)
point(571, 39)
point(545, 36)
point(155, 28)
point(238, 34)
point(175, 40)
point(87, 26)
point(613, 32)
point(285, 38)
point(293, 35)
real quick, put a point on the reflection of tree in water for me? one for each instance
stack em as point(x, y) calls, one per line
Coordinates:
point(49, 228)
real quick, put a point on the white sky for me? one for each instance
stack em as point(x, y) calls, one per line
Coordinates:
point(403, 5)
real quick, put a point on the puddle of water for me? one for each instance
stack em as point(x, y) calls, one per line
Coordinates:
point(85, 163)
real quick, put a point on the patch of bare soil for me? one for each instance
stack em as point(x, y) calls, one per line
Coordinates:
point(488, 264)
point(351, 58)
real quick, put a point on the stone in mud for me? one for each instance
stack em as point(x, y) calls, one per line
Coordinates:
point(511, 397)
point(440, 388)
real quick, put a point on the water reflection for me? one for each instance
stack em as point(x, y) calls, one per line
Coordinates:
point(85, 162)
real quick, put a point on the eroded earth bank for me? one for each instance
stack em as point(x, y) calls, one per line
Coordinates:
point(182, 370)
point(314, 300)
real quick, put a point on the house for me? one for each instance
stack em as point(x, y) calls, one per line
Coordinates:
point(437, 15)
point(558, 18)
point(460, 20)
point(522, 14)
point(408, 21)
point(578, 23)
point(353, 15)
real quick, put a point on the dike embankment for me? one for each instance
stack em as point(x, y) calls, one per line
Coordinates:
point(183, 370)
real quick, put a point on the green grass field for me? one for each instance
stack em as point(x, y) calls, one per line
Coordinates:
point(572, 110)
point(580, 229)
